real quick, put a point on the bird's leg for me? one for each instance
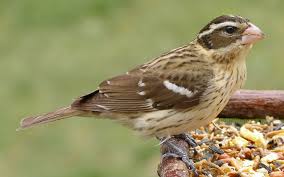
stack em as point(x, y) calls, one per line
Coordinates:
point(187, 138)
point(191, 141)
point(183, 146)
point(176, 148)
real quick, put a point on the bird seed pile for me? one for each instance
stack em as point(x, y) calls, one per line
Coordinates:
point(249, 150)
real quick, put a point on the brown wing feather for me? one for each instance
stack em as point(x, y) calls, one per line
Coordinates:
point(118, 94)
point(124, 94)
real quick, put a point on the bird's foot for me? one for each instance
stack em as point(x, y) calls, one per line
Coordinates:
point(174, 148)
point(191, 142)
point(183, 147)
point(187, 138)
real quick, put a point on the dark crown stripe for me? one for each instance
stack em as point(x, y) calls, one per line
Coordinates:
point(222, 19)
point(205, 37)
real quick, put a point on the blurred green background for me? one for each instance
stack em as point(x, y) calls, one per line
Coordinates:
point(55, 50)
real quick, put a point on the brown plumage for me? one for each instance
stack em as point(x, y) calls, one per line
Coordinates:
point(178, 91)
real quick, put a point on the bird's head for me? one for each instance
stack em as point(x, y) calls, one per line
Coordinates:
point(228, 34)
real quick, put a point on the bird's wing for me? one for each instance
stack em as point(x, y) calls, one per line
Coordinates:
point(138, 92)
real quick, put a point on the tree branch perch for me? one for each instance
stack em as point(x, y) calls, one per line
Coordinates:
point(255, 104)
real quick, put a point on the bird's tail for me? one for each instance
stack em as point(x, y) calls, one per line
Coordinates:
point(48, 117)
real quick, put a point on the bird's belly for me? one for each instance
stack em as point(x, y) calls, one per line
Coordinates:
point(173, 122)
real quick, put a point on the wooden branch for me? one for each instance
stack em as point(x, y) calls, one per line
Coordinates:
point(255, 104)
point(173, 167)
point(243, 104)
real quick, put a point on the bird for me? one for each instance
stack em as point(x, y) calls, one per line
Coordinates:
point(179, 91)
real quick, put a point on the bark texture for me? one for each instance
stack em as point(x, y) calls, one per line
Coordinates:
point(249, 104)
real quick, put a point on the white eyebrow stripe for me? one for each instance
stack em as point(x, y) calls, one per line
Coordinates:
point(216, 26)
point(177, 89)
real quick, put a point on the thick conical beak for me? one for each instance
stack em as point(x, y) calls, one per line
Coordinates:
point(252, 34)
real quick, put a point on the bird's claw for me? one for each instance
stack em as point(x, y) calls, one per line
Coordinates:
point(187, 138)
point(178, 152)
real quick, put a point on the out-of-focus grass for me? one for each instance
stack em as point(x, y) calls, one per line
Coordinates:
point(54, 50)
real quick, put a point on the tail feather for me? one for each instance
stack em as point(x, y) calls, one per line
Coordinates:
point(48, 117)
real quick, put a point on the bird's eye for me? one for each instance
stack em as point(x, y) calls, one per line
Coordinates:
point(230, 29)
